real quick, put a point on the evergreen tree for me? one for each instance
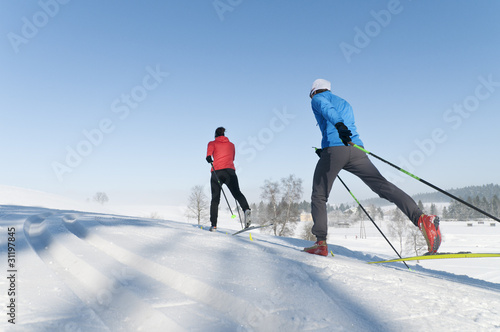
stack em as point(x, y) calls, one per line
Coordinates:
point(477, 203)
point(359, 214)
point(485, 206)
point(434, 209)
point(372, 210)
point(343, 207)
point(445, 214)
point(495, 206)
point(454, 210)
point(380, 213)
point(305, 206)
point(261, 213)
point(421, 205)
point(466, 212)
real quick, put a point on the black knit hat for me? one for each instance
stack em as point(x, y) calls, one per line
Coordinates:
point(220, 131)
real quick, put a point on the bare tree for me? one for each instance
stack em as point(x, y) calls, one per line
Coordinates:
point(292, 192)
point(282, 200)
point(270, 194)
point(155, 215)
point(101, 197)
point(415, 241)
point(397, 227)
point(406, 233)
point(307, 231)
point(197, 207)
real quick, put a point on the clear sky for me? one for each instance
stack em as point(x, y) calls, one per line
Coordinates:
point(123, 96)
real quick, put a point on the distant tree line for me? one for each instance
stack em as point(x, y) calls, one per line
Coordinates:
point(459, 211)
point(488, 191)
point(306, 207)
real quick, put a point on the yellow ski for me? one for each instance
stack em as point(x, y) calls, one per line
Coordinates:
point(440, 256)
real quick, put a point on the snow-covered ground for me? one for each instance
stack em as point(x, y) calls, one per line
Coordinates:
point(98, 271)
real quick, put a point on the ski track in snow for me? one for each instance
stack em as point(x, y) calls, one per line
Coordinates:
point(114, 273)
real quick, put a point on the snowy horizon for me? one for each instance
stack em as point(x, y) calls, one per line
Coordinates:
point(74, 270)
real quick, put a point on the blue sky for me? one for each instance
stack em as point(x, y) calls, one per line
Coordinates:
point(123, 97)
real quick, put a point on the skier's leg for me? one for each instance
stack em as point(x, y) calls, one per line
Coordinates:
point(332, 160)
point(429, 225)
point(361, 166)
point(234, 188)
point(214, 203)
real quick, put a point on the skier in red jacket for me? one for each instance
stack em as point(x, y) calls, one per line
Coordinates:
point(223, 152)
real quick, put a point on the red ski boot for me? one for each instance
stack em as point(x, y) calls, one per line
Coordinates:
point(319, 248)
point(429, 225)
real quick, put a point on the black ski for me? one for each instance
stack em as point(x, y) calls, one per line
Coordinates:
point(252, 227)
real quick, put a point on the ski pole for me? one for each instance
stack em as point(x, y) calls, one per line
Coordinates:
point(427, 183)
point(366, 212)
point(220, 184)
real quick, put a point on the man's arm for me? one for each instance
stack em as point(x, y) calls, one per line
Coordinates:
point(210, 152)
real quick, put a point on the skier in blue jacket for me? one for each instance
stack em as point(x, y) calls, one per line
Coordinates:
point(335, 119)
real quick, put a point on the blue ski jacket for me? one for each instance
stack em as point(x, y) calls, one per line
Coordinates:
point(328, 110)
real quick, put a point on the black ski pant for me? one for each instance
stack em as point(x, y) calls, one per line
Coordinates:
point(228, 177)
point(332, 161)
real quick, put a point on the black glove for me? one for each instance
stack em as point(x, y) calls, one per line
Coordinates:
point(318, 152)
point(344, 133)
point(209, 159)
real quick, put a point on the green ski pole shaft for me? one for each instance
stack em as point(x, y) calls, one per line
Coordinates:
point(373, 222)
point(220, 184)
point(428, 183)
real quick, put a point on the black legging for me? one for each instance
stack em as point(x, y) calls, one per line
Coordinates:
point(228, 177)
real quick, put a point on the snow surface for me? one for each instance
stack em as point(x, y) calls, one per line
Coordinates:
point(90, 271)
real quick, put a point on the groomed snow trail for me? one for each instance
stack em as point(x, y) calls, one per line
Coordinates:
point(94, 272)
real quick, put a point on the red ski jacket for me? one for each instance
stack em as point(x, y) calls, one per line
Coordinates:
point(222, 152)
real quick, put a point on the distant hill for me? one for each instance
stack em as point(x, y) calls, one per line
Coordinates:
point(487, 191)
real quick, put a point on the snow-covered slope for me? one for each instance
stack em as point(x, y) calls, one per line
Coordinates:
point(10, 195)
point(83, 271)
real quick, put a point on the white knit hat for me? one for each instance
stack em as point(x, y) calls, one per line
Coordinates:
point(320, 84)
